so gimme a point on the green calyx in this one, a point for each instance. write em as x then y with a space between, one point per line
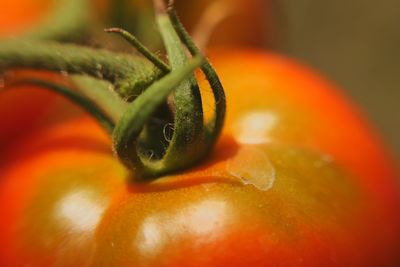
156 117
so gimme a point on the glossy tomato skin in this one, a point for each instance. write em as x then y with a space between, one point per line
297 179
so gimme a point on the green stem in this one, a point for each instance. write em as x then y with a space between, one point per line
102 94
125 137
141 123
141 48
214 127
185 145
130 74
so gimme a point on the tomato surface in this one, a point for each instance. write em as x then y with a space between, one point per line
298 178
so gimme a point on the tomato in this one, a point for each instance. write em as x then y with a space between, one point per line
298 178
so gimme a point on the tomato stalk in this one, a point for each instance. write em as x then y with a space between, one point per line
145 91
215 125
186 103
130 74
141 48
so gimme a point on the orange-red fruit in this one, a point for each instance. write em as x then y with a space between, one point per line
298 178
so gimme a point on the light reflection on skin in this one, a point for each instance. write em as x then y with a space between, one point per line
254 127
80 211
201 220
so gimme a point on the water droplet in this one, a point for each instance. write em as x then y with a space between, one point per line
252 166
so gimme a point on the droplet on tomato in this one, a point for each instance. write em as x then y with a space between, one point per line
252 166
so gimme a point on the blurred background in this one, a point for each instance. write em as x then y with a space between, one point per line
355 43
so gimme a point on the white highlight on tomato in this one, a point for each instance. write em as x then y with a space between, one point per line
254 127
80 210
151 238
201 220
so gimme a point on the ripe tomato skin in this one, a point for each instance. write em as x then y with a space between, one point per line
315 194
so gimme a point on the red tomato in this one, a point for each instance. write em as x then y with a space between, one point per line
298 178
